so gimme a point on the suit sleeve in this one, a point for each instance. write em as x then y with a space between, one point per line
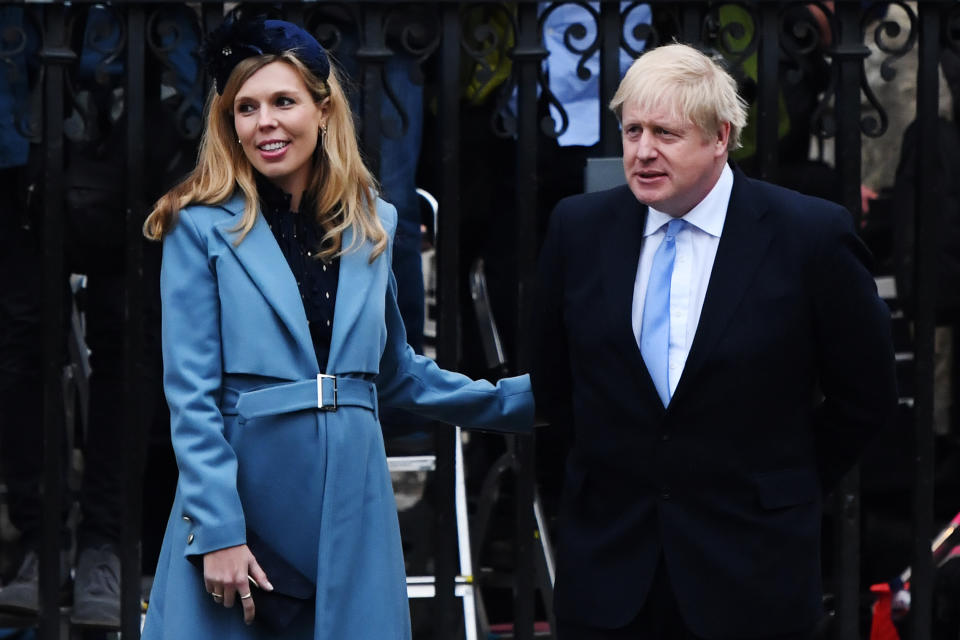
854 351
192 381
552 383
415 383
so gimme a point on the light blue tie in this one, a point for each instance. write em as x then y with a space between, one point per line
655 327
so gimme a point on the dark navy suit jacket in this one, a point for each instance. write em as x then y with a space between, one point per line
790 372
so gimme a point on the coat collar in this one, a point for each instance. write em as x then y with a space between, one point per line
624 240
743 245
267 268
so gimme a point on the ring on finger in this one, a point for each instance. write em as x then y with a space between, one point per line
217 596
247 595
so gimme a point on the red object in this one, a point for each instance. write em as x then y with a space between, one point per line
881 627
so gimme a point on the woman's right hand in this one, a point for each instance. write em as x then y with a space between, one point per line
227 573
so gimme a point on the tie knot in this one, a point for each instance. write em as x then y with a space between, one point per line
674 227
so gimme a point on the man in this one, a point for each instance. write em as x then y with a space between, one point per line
688 322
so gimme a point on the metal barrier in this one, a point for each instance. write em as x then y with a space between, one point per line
467 51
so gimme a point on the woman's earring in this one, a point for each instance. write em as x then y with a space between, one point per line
323 137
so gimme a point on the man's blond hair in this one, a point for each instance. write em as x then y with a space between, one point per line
689 85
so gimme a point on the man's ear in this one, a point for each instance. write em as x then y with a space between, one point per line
723 137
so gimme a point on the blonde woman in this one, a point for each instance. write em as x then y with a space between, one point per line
281 338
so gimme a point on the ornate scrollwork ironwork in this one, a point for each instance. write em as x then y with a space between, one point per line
173 35
18 43
730 34
328 22
413 31
488 33
581 37
889 38
642 32
804 34
108 40
730 29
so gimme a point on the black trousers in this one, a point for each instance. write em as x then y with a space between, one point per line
21 386
659 619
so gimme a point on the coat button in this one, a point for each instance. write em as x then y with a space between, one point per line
190 539
665 493
186 519
664 436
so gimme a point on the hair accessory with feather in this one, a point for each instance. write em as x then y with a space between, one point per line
240 38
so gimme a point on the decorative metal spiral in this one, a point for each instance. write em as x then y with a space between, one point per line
14 43
488 49
888 32
890 39
328 21
643 33
577 40
735 41
166 37
801 36
414 31
101 41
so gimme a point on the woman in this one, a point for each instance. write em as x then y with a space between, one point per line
276 267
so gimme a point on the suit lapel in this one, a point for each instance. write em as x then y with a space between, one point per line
264 263
622 258
743 245
356 279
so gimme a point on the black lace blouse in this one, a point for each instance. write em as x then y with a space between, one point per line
299 239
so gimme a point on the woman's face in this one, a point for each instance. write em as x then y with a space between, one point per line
278 125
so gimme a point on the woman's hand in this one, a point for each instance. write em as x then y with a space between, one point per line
227 574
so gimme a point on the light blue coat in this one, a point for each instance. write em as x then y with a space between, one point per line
314 484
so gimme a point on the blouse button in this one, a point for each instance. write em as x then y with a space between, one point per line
328 323
324 267
328 295
309 253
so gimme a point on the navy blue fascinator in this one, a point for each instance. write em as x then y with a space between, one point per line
240 38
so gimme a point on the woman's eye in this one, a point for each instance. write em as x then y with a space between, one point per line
244 108
284 101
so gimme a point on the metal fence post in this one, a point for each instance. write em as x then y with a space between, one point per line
55 54
926 222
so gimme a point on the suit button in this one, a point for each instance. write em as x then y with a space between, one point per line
664 436
665 493
190 539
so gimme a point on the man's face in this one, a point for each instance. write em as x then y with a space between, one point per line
669 163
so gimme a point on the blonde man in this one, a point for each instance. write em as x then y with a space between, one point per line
685 321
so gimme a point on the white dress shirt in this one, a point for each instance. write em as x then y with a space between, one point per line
696 249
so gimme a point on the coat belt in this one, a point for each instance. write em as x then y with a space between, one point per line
323 393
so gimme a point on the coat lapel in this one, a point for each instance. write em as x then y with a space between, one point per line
622 259
267 268
356 279
743 245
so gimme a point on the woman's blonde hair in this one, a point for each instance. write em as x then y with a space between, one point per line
687 82
342 188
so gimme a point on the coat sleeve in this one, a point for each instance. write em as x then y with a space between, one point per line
415 383
192 380
854 350
552 382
